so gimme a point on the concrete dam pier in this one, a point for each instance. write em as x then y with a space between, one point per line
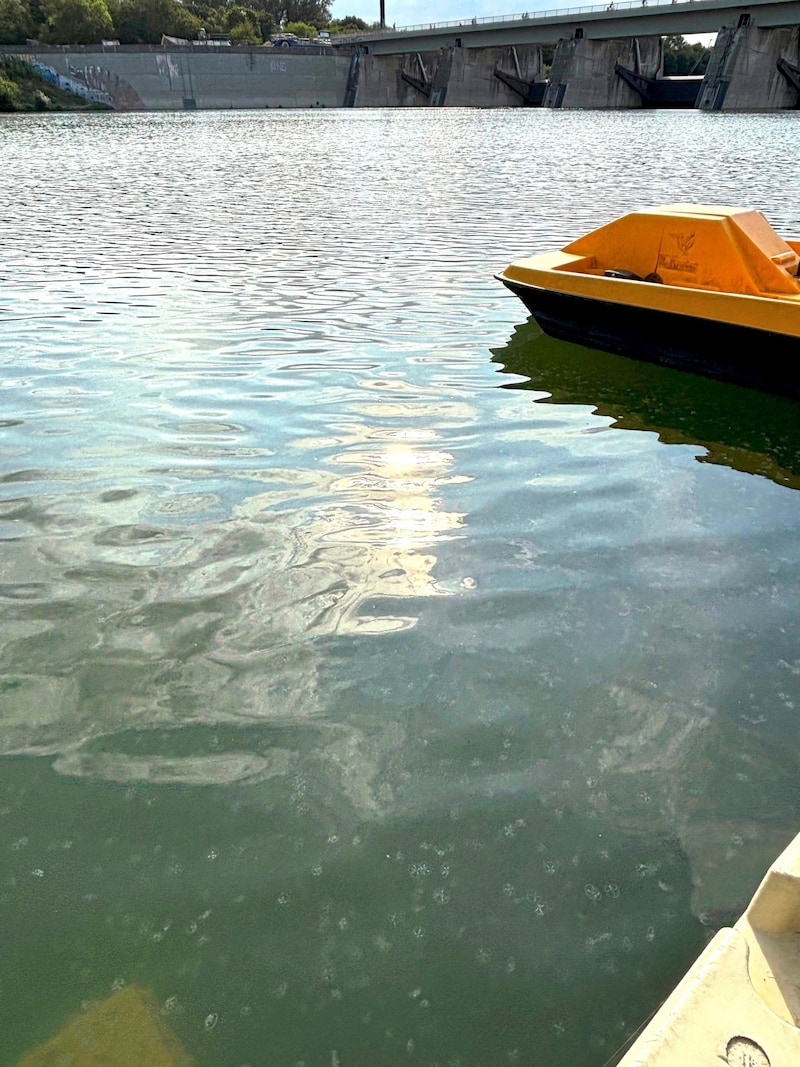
608 56
753 69
583 75
452 77
750 69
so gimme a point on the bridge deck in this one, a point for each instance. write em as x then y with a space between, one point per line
617 18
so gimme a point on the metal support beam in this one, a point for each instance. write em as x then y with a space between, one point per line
531 92
662 92
790 72
422 85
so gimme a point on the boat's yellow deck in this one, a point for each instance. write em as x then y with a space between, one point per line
713 262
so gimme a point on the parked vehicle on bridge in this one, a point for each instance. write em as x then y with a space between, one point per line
291 40
704 288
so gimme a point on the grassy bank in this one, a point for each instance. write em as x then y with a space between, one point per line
22 89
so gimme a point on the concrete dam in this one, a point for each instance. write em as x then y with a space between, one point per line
752 67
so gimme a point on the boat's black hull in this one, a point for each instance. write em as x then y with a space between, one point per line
757 358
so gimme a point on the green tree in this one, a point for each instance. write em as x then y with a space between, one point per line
314 12
267 24
145 21
16 24
9 95
38 18
243 25
350 24
210 16
301 29
682 58
244 33
76 21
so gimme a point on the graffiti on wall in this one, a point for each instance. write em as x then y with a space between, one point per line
168 67
71 85
114 90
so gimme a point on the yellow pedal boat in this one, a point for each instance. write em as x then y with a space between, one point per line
705 288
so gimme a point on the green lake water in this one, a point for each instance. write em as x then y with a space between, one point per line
381 682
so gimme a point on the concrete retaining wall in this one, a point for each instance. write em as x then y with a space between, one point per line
161 79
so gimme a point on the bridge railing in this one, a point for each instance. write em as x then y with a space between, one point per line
526 16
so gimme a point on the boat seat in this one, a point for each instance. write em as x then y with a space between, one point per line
790 262
628 275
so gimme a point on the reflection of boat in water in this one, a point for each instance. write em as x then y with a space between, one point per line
706 288
739 1003
745 429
